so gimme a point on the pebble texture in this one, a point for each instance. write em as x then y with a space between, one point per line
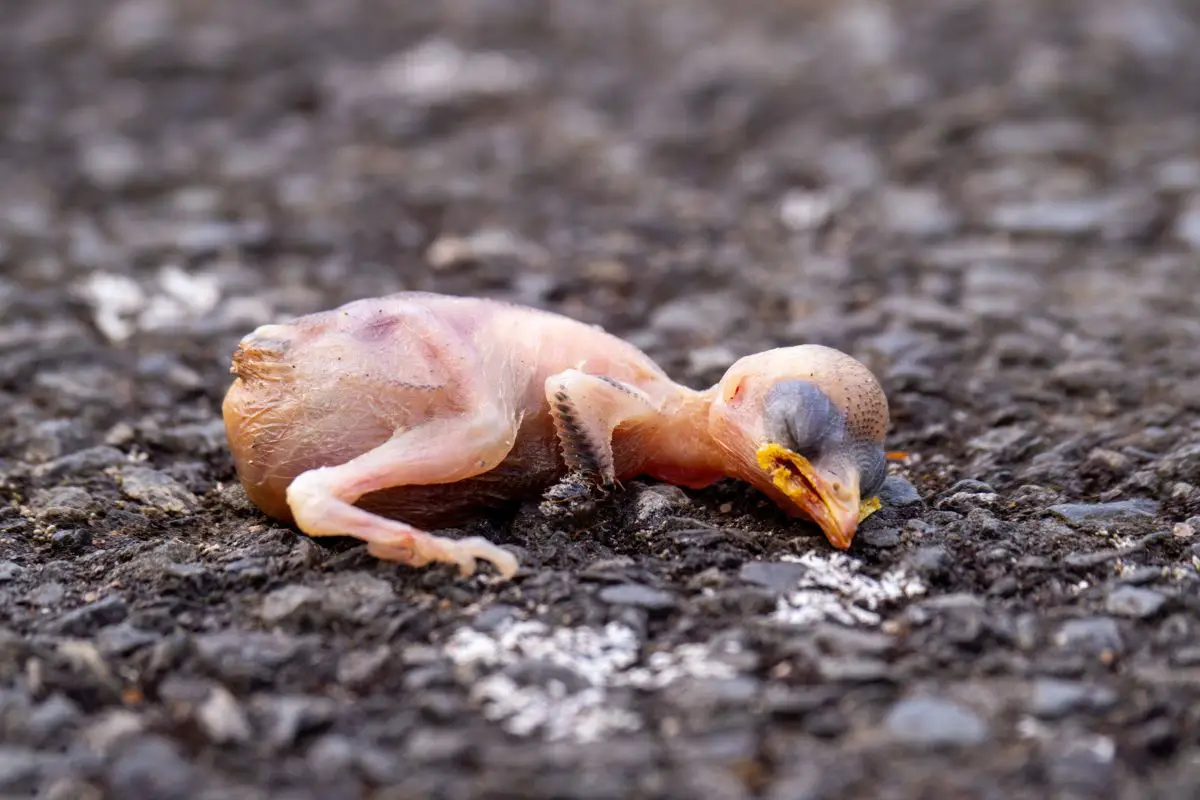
995 205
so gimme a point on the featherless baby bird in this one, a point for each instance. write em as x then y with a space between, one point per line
389 417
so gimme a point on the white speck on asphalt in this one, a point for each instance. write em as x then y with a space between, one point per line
834 590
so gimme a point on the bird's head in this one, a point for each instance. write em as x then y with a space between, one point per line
805 425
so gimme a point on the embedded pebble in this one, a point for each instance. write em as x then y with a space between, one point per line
1104 512
1187 224
152 766
653 503
19 769
156 489
1117 216
632 594
72 539
879 537
898 491
1134 602
778 576
111 163
88 460
933 721
86 620
1053 698
916 212
62 504
222 718
1094 636
245 655
358 668
288 717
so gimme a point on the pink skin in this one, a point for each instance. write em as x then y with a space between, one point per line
386 416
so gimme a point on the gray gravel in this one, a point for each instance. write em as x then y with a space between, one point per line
995 205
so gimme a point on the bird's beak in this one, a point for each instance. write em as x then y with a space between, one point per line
837 513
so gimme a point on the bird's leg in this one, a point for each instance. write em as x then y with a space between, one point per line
444 450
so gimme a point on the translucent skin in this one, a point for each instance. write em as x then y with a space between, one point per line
388 416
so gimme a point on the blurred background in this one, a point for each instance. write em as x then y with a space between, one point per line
704 177
994 203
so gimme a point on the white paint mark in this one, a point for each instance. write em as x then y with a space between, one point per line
113 298
121 306
580 704
833 590
599 659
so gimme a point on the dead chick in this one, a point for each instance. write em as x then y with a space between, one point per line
387 417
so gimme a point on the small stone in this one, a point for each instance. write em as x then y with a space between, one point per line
1116 216
916 212
291 716
152 767
1141 576
700 318
84 621
124 638
54 715
62 504
545 673
111 729
137 26
111 162
485 245
1104 512
1039 138
491 618
779 576
1109 463
10 571
1082 375
287 602
356 596
653 503
964 502
90 460
19 769
154 488
898 491
71 539
332 754
935 722
879 537
1181 530
1188 656
1095 636
970 486
435 744
1134 602
237 656
49 594
438 71
1081 767
1054 699
801 210
222 719
632 594
853 669
929 560
1187 224
359 668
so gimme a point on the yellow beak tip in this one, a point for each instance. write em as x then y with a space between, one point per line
867 508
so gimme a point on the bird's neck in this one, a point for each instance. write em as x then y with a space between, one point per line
679 448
